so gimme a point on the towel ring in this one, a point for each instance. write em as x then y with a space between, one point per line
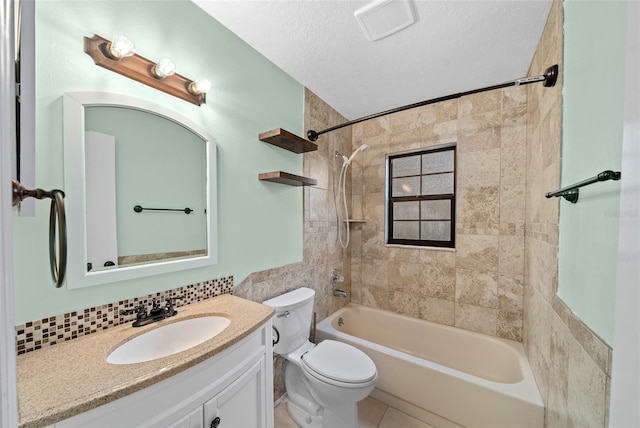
57 217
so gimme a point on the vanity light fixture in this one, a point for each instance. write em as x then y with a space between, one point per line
120 47
200 86
163 68
118 56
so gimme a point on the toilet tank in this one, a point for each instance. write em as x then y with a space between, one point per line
292 322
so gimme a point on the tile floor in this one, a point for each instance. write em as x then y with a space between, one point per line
371 414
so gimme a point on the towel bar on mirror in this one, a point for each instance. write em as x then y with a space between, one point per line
139 209
57 217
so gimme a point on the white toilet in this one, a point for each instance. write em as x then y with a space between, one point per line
324 382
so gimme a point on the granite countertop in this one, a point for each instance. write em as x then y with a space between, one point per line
69 378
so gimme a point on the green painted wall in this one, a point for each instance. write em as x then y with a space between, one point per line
594 41
259 224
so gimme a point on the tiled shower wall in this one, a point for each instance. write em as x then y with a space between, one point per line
571 364
479 286
322 251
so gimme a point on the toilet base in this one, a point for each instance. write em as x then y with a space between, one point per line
346 417
305 410
302 418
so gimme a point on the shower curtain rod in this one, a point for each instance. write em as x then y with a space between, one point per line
549 78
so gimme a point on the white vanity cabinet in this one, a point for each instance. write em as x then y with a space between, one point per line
233 389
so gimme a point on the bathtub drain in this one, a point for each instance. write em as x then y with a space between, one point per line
340 322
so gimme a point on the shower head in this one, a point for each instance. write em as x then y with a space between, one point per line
362 148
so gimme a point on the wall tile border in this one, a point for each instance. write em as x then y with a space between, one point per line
46 332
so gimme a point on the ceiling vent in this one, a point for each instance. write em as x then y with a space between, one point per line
384 17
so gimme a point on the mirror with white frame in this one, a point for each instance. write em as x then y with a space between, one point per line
140 184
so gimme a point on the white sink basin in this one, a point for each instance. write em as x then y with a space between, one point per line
168 340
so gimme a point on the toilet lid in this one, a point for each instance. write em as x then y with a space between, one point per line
339 361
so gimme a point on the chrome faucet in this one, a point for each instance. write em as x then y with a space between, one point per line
339 293
157 312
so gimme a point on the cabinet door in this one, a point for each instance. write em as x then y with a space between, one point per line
242 404
192 420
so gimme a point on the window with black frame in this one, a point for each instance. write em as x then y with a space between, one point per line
421 197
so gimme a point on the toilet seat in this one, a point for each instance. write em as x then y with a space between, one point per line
339 364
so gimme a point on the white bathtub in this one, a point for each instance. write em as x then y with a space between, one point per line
444 376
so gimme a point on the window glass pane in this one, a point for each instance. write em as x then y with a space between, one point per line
406 211
436 210
409 165
437 162
407 186
406 230
436 230
437 184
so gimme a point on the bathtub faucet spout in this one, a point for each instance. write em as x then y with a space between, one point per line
339 293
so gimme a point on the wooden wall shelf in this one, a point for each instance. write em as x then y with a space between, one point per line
286 178
288 141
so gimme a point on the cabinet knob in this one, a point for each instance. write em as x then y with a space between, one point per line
215 422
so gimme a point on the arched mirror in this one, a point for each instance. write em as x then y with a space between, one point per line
140 183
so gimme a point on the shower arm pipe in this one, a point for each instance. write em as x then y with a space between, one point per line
549 78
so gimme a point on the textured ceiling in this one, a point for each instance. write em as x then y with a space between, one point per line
455 45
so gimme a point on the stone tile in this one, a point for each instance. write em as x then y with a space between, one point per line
376 127
513 163
438 281
403 255
595 347
514 96
394 418
478 204
510 293
509 325
586 389
476 318
439 257
317 166
439 113
477 288
373 245
404 276
265 290
512 203
557 410
373 206
479 132
319 203
375 273
437 310
279 364
479 168
512 255
480 103
442 133
374 297
374 178
477 252
282 418
538 330
404 303
370 412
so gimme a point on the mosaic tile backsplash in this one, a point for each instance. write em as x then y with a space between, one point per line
49 331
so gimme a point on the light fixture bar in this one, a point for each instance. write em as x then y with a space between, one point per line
140 69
